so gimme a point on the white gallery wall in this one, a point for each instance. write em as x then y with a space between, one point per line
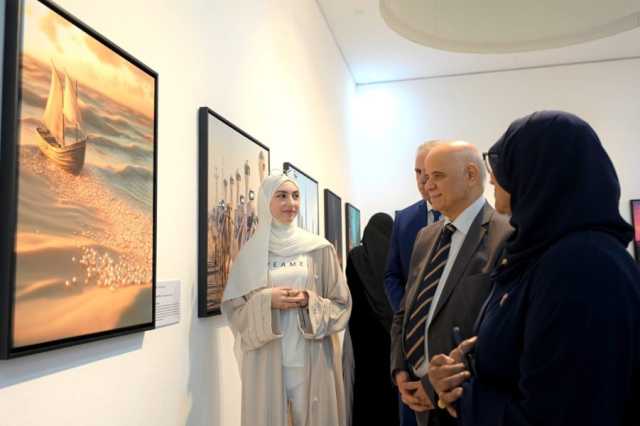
272 68
393 118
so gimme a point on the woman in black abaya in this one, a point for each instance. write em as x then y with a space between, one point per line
375 401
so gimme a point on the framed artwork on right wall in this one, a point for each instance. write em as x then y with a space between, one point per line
333 221
352 221
635 220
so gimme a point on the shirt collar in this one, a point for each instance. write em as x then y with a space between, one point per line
465 219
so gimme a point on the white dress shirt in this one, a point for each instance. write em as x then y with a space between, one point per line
462 223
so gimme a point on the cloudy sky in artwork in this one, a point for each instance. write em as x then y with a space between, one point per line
49 37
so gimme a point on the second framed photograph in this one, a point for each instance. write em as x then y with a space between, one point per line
232 165
635 220
308 217
352 220
333 221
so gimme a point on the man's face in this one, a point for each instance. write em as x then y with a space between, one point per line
419 170
503 198
446 183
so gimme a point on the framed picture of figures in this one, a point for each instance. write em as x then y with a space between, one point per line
333 221
635 220
308 217
78 167
232 165
352 220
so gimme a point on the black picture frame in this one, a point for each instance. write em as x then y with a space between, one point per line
333 221
215 254
353 234
309 214
13 96
634 206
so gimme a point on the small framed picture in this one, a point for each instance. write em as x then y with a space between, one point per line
635 220
333 221
352 220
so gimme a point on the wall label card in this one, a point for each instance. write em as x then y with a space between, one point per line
167 303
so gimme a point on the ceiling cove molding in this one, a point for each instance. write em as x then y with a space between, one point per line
470 41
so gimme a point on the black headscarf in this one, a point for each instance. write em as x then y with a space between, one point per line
370 260
560 179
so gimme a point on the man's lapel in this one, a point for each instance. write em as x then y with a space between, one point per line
474 237
411 290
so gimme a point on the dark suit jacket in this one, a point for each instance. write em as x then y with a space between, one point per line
407 224
466 289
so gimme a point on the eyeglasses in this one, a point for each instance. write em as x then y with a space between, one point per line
488 157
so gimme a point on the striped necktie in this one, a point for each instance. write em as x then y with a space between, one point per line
415 326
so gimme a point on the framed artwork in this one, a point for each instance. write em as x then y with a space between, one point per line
333 221
232 165
635 220
352 220
78 167
308 217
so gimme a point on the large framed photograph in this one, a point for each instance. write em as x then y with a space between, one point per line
333 221
635 220
352 220
232 165
308 217
78 167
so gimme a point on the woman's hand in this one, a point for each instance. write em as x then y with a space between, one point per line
447 373
302 298
287 298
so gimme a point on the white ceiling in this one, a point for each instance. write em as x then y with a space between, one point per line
376 53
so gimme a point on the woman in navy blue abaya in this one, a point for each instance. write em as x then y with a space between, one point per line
558 341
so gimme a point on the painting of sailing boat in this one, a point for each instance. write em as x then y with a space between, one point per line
333 221
308 216
79 167
232 165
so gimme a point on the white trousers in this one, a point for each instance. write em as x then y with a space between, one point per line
295 393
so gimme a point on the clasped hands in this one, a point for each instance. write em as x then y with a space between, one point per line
448 373
288 298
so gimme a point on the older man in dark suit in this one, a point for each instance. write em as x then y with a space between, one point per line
448 275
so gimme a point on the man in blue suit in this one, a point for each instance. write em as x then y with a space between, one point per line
407 223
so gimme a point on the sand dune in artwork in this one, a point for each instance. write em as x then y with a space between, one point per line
32 242
90 311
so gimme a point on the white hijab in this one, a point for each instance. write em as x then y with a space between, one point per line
250 268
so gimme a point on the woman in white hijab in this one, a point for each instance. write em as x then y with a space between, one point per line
286 300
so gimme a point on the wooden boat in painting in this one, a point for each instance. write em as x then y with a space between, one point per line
61 109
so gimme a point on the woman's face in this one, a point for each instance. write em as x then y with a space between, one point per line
285 203
503 198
